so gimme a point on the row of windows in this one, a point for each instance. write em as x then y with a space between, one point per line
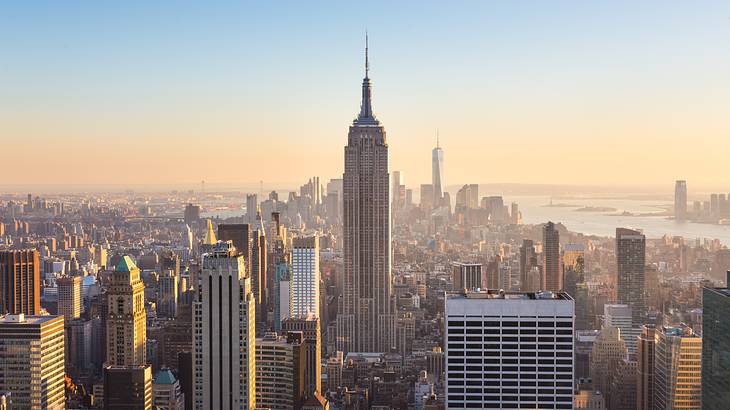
548 339
460 360
508 346
484 331
497 353
542 369
511 383
454 398
494 323
498 376
504 391
507 405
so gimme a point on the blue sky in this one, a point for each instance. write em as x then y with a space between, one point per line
559 77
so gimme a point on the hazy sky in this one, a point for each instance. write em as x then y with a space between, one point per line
584 92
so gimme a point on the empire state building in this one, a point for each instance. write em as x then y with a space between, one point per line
365 322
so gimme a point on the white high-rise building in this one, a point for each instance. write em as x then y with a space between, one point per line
619 316
305 276
509 350
224 333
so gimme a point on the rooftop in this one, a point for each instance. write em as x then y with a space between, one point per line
502 294
21 318
165 376
126 264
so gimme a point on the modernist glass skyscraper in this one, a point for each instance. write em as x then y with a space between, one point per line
630 259
365 322
715 348
680 200
437 173
553 274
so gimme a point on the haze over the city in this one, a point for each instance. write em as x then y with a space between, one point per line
581 93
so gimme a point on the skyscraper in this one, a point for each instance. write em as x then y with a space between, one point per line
366 320
224 333
167 293
240 235
505 367
620 316
608 351
126 323
259 270
715 348
32 361
645 369
398 190
528 260
252 208
677 369
630 267
280 362
309 326
305 276
128 387
69 297
437 173
552 268
20 282
680 200
466 275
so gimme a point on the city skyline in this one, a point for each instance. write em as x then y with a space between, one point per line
587 88
311 271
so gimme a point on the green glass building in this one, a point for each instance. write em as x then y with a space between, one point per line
716 348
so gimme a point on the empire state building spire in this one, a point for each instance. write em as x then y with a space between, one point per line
366 116
366 318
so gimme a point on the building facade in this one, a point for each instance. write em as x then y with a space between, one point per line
631 270
365 321
715 348
552 268
466 275
305 276
128 387
504 348
680 200
310 328
224 333
126 323
69 297
645 369
32 361
20 282
677 369
280 362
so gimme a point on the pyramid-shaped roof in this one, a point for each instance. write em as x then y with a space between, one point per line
126 264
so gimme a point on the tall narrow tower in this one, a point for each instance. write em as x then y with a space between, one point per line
224 366
126 326
437 173
631 271
553 275
365 323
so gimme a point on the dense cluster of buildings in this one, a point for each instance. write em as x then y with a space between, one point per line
350 295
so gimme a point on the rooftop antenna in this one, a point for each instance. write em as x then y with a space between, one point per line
367 63
437 138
